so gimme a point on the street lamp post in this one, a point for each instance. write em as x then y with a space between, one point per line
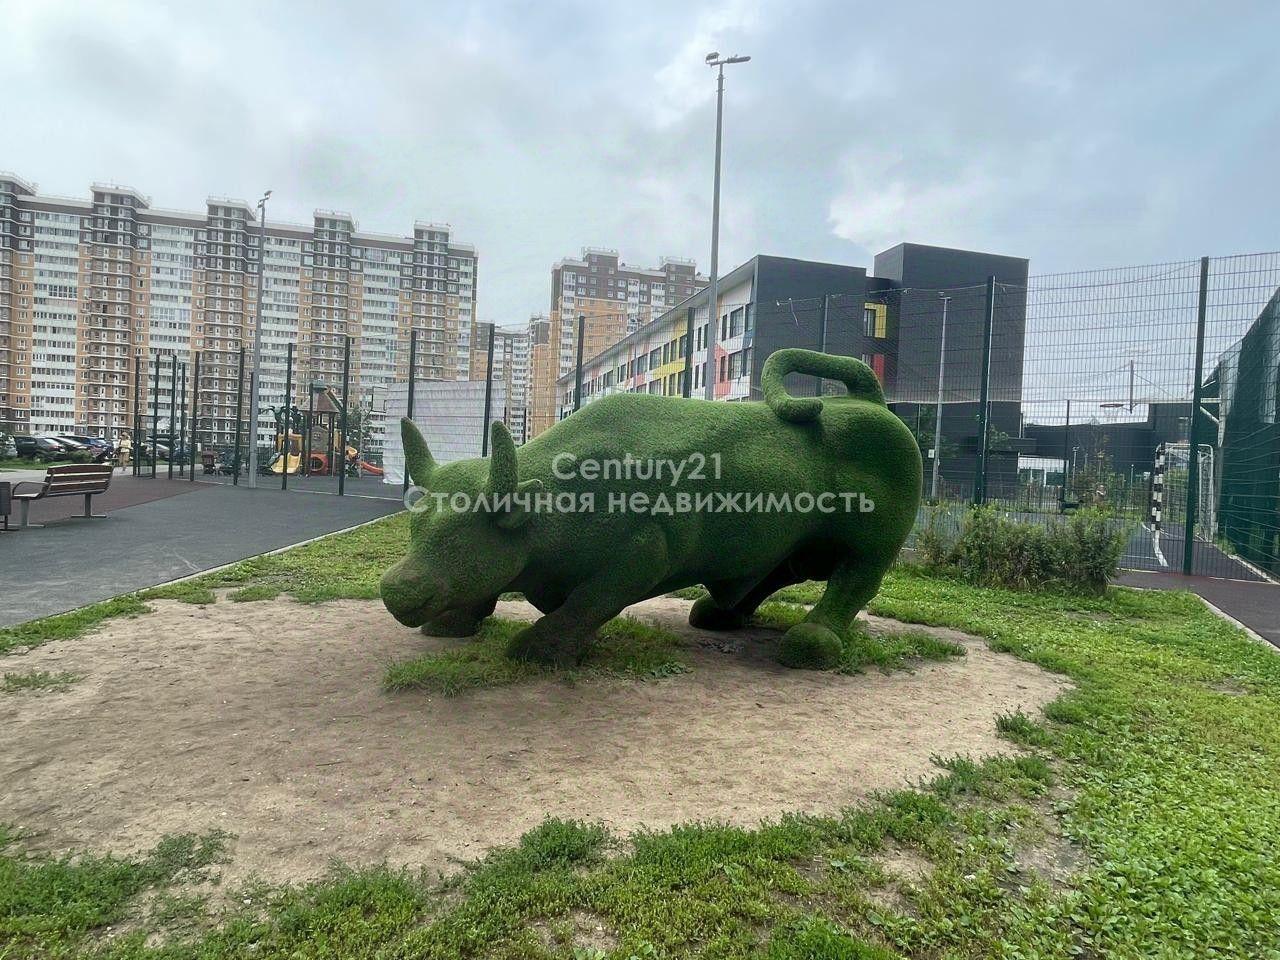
257 345
713 302
937 423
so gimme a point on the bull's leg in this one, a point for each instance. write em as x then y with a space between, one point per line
815 641
562 636
459 623
728 607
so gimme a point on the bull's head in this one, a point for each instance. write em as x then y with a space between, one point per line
459 560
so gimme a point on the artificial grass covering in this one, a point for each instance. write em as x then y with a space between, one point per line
610 537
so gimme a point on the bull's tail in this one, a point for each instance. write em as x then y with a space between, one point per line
854 374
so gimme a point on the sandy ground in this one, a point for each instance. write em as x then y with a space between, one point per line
267 720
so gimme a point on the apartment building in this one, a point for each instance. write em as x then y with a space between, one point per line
94 292
613 300
510 369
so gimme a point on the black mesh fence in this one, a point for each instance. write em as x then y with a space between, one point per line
1083 389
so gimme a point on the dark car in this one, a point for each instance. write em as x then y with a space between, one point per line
96 447
42 449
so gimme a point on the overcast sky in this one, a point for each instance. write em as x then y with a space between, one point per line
1097 135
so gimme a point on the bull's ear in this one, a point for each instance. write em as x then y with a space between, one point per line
504 478
417 458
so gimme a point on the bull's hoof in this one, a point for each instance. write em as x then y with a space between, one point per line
531 645
810 646
706 614
452 623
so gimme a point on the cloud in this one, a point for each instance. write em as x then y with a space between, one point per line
536 130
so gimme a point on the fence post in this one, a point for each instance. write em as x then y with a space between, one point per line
413 365
688 355
182 426
577 389
488 394
288 418
155 417
235 458
984 404
136 444
173 399
346 405
822 339
195 413
1193 458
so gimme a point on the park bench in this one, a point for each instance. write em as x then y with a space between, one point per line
68 480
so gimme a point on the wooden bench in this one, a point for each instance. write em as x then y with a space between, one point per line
67 480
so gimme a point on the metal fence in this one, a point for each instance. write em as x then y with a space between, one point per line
1093 389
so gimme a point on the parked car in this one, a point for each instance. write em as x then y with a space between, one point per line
97 448
40 449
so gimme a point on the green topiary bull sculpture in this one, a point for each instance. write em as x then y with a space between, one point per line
589 517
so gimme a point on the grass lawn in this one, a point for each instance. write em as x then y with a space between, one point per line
1140 818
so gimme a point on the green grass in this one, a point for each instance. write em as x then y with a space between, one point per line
37 680
66 626
1160 769
626 647
344 566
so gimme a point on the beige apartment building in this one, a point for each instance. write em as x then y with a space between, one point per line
95 291
613 299
510 369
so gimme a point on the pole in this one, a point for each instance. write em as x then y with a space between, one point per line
1066 452
822 339
285 442
577 382
984 413
413 366
173 396
256 381
155 417
310 425
136 444
713 296
937 423
1193 461
1131 386
346 405
235 458
182 426
195 414
688 355
488 391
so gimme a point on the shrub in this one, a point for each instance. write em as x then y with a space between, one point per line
1080 553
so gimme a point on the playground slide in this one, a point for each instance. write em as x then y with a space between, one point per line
371 469
295 463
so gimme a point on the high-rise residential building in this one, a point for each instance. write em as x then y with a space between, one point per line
613 300
94 291
510 368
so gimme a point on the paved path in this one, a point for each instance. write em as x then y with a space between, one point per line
1255 604
70 563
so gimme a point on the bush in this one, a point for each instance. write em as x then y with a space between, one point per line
1081 553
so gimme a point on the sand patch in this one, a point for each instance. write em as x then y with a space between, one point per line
267 720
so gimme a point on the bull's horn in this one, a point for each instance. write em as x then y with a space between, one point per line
504 477
504 471
417 458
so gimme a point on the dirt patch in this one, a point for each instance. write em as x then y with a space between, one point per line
267 720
